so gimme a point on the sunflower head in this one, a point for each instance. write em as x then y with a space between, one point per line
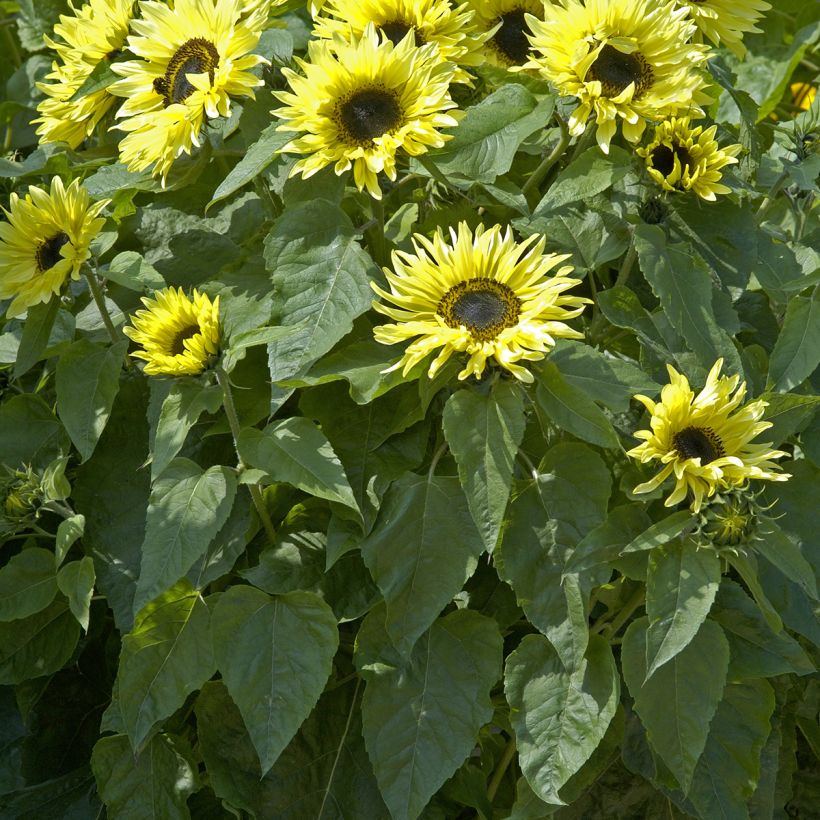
683 158
726 21
625 61
504 29
358 103
482 294
178 335
704 440
45 242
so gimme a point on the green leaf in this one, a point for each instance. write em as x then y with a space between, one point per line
76 581
778 548
321 276
69 531
29 432
240 342
36 332
756 651
88 378
661 532
130 270
155 784
484 433
788 413
422 549
295 451
603 377
797 351
683 284
186 510
571 408
728 770
165 657
28 584
187 400
559 716
681 584
487 138
38 645
101 77
678 702
263 647
590 174
256 158
421 719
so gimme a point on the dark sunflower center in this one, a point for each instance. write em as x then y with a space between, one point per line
663 158
177 348
396 31
370 113
698 442
616 70
197 56
511 39
48 251
485 307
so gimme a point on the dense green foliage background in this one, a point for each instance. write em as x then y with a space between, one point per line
456 614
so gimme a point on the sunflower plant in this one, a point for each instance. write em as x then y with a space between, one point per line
408 409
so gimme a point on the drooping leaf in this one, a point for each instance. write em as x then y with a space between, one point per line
36 332
484 433
29 432
797 352
28 584
421 717
275 657
69 531
422 549
660 533
559 716
76 581
188 506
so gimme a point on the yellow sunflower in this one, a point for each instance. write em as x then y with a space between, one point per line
196 56
681 158
359 102
432 21
503 25
45 241
485 295
178 335
627 60
726 21
95 32
704 440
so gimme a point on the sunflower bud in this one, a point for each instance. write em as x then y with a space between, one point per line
22 495
731 520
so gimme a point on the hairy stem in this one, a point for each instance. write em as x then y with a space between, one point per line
537 176
501 769
99 299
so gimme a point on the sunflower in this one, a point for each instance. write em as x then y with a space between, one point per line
485 295
178 335
704 440
504 26
681 158
623 59
196 56
726 21
95 32
360 101
432 21
45 241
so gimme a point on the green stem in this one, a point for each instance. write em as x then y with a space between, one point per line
769 198
543 169
626 265
436 458
233 423
501 769
375 233
637 599
583 141
58 508
99 299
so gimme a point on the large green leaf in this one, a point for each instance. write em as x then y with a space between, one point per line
165 657
797 352
38 645
36 332
559 716
484 432
548 519
678 702
87 384
76 581
155 784
188 506
29 432
319 273
28 583
782 551
421 717
422 549
571 408
487 138
275 656
296 451
681 584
